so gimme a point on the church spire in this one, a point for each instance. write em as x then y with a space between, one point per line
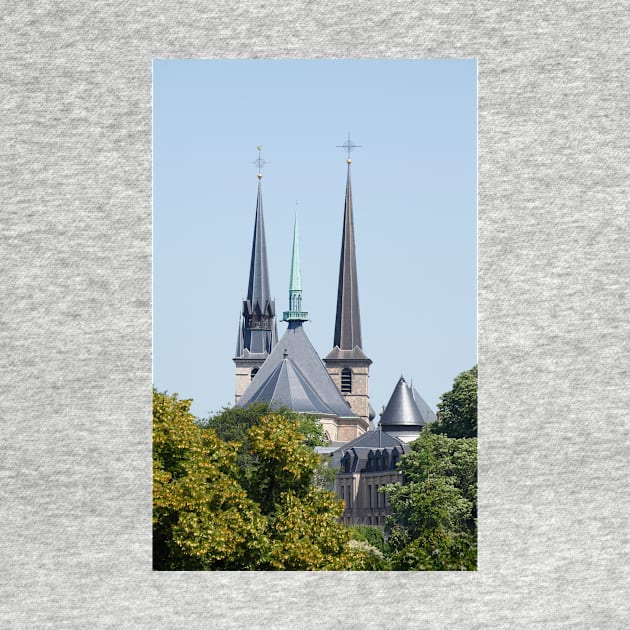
258 326
346 363
348 319
295 312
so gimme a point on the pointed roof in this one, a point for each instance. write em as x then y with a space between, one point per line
428 415
365 447
401 410
294 375
295 283
258 329
295 312
374 439
287 386
348 319
258 286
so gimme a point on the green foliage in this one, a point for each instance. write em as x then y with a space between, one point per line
281 463
202 518
324 475
366 557
212 512
437 550
369 549
457 409
433 524
374 536
232 423
305 536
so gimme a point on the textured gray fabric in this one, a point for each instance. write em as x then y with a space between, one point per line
75 169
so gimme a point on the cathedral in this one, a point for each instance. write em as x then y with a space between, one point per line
288 371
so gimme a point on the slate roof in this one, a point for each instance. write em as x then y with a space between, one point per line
294 375
428 415
364 447
404 409
374 439
258 304
287 386
258 286
348 319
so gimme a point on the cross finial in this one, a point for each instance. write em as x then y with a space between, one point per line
348 146
259 162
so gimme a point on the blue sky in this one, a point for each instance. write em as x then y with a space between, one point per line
414 185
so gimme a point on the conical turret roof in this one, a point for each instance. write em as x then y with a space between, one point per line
401 410
428 415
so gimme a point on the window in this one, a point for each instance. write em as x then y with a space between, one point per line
253 373
346 381
370 494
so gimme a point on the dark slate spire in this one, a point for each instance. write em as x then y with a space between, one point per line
258 326
348 320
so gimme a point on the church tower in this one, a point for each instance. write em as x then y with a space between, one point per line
257 331
294 376
346 363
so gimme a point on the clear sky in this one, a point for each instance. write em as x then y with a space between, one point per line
414 184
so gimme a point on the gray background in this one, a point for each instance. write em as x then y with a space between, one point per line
75 151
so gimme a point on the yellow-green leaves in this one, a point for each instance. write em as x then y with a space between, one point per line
214 510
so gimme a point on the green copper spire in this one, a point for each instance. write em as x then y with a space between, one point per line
296 276
295 312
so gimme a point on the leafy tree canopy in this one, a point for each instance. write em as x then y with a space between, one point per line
233 423
433 523
211 511
457 409
202 518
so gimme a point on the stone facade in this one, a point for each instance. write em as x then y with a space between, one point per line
365 505
359 395
246 369
365 465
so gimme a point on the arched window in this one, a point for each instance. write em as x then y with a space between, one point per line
253 373
346 381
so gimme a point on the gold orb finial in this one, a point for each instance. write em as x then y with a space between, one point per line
259 175
348 161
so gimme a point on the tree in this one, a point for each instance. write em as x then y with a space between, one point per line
433 524
457 409
212 511
232 423
202 518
